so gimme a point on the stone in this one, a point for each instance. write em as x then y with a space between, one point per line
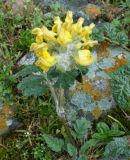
92 10
7 122
27 59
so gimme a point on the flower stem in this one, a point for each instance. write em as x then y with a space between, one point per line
59 108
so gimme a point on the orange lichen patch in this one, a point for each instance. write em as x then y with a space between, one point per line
97 112
3 125
119 62
87 87
97 95
7 110
92 10
102 51
5 113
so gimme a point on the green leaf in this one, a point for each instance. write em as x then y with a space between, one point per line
87 145
122 38
116 149
55 144
105 133
33 85
66 79
71 150
81 127
97 34
108 135
120 84
31 81
27 70
36 91
110 30
102 127
83 157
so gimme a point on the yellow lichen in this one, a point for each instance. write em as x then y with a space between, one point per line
118 64
92 10
5 113
102 51
97 112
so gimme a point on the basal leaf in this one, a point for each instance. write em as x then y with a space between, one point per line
27 70
81 127
71 150
55 144
87 145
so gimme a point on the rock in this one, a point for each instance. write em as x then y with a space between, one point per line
68 4
7 122
92 10
94 95
27 59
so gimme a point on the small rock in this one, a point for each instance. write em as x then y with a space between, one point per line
92 10
7 122
27 59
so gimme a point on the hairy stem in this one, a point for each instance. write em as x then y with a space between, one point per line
59 108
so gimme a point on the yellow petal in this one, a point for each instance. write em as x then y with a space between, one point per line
84 53
64 37
86 31
57 26
48 35
33 46
39 39
68 21
37 31
90 43
77 27
84 58
39 48
69 17
46 63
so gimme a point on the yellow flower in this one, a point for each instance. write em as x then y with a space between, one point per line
39 34
39 38
39 48
37 31
77 27
68 21
43 33
64 37
86 31
48 35
84 58
60 35
46 61
57 24
89 43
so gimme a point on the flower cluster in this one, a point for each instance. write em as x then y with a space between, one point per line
66 44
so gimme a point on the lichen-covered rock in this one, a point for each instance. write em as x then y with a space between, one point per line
93 96
92 10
